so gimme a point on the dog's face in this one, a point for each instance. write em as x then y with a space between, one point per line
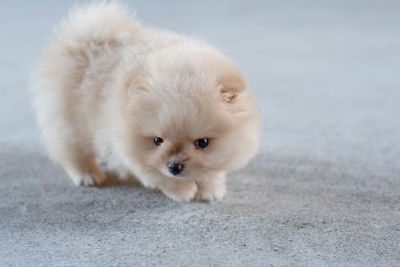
191 115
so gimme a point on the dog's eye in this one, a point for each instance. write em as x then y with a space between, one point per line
201 143
158 140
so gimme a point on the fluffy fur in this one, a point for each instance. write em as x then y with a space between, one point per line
107 86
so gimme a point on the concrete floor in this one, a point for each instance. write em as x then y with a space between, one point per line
324 188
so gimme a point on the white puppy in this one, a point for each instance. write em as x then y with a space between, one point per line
169 110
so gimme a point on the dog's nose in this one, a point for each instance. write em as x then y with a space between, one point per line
175 167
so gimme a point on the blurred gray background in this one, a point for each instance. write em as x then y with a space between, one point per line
324 188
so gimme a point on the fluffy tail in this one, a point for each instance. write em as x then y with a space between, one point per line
89 31
97 22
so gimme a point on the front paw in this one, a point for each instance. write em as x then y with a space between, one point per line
211 193
180 190
89 179
211 188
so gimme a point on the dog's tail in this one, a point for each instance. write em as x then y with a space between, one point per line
96 23
88 31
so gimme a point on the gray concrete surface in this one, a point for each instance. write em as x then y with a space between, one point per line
324 188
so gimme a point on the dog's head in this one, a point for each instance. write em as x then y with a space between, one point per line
187 112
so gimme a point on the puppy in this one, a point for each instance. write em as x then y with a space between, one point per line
169 110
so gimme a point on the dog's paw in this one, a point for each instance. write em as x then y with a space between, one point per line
208 194
181 190
88 179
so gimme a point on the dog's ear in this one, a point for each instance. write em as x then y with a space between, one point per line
134 83
231 85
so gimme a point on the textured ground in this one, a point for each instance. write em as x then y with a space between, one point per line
324 188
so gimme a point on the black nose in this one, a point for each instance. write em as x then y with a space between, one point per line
175 167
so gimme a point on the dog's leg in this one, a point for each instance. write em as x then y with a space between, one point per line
76 160
211 188
178 190
84 171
